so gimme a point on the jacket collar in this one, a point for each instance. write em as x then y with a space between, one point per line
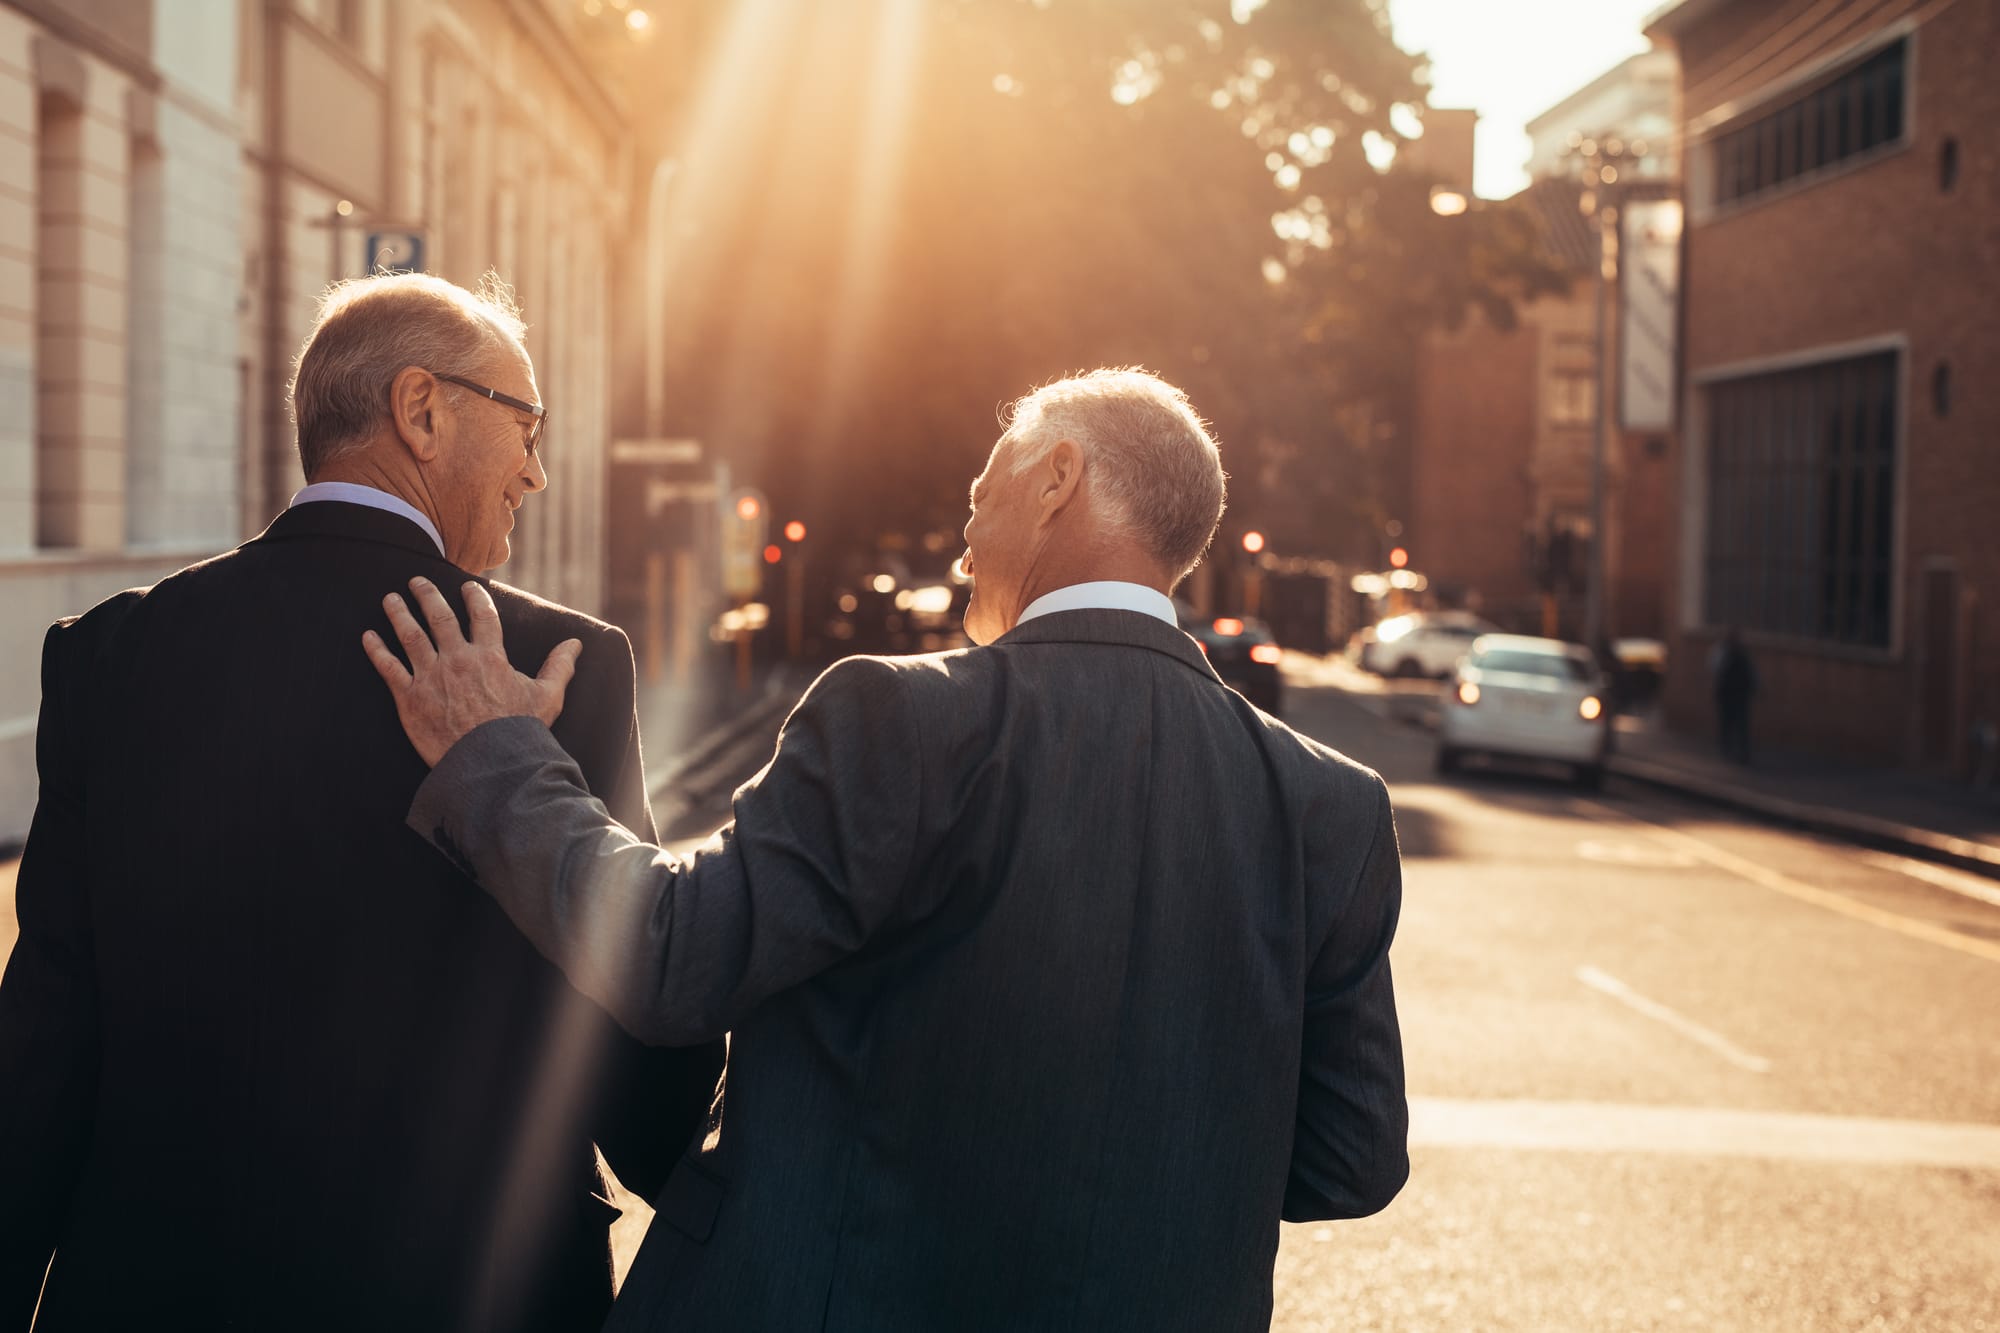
336 518
1130 629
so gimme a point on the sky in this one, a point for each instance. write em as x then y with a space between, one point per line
1511 60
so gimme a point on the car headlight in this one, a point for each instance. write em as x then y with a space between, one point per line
1591 708
1267 653
1468 693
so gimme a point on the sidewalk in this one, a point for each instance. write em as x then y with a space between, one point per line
1919 816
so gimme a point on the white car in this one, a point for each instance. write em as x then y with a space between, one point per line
1422 643
1528 698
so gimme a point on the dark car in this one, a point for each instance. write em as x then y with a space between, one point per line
1241 650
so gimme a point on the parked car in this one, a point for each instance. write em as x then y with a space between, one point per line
1241 650
1421 643
1519 697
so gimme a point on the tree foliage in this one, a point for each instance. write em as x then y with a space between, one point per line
926 207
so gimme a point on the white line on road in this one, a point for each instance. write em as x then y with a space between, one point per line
1779 882
1701 1131
1943 877
1603 981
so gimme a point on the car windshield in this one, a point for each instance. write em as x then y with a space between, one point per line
1515 662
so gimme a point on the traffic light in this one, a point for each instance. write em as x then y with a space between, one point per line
773 554
748 507
795 531
1253 542
1398 558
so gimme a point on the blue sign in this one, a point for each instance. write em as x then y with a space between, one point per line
395 252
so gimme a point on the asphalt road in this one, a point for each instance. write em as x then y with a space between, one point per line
1668 1069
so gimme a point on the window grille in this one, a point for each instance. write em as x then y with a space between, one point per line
1802 500
1858 110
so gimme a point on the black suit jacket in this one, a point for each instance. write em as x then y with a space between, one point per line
269 1061
1055 975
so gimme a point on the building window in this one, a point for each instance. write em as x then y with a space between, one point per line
1857 110
1572 398
1802 501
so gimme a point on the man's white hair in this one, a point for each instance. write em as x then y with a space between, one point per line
1152 467
370 329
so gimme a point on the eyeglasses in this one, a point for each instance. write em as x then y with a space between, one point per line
540 414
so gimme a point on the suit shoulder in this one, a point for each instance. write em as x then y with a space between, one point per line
517 603
92 627
1320 767
929 680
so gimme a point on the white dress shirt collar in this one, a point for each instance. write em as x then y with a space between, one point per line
355 493
1106 595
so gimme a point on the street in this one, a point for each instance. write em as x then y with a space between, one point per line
1668 1069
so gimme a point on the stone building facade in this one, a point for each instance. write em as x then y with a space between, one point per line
180 182
120 428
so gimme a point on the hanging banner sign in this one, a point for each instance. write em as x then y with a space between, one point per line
1651 300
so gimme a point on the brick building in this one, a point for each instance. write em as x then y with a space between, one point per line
1836 467
1505 421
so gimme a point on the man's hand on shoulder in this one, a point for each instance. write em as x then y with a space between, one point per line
456 685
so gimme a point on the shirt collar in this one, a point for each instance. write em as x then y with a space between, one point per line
354 493
1106 595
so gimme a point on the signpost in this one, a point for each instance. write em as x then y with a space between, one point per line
398 251
743 526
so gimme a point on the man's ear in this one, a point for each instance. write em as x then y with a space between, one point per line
416 401
1060 476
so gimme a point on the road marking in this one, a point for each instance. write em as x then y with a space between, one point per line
1701 1131
1779 882
1943 877
1687 1027
1632 854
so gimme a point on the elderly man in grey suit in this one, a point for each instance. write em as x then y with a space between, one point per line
1057 973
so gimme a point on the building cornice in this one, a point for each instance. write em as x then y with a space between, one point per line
59 22
555 45
1672 18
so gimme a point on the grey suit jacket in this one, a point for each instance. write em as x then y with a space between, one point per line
1056 974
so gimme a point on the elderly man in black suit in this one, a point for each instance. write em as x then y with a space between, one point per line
267 1060
1058 974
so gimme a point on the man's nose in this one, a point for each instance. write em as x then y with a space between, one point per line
533 472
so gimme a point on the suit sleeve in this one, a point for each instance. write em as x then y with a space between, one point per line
678 951
654 1099
1350 1146
48 1003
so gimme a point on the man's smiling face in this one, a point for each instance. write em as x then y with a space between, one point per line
486 471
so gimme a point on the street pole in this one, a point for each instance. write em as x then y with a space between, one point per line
1605 163
1607 260
795 606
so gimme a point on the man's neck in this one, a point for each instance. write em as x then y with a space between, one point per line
362 471
1110 570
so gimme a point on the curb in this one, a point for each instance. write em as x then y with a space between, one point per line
1979 858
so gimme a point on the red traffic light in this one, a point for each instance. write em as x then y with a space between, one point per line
1399 558
1253 542
772 555
795 531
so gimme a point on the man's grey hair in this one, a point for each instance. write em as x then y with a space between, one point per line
368 330
1152 467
